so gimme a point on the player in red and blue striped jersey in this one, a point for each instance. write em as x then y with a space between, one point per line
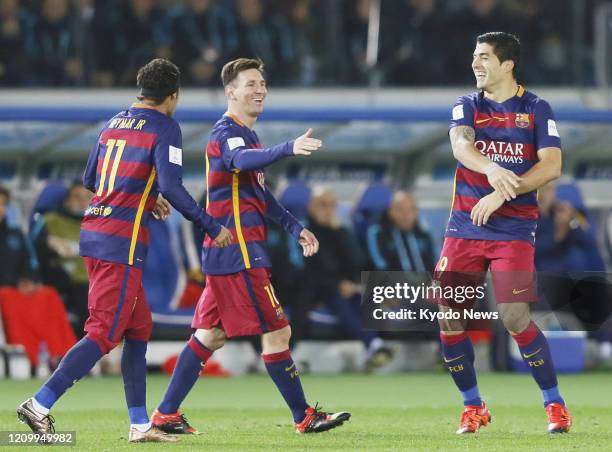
137 156
239 299
507 144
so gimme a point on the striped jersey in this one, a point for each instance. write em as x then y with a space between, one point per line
237 197
138 154
508 133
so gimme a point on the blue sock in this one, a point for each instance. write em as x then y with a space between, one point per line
536 354
134 371
186 372
458 355
75 365
285 375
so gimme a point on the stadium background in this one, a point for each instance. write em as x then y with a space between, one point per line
374 79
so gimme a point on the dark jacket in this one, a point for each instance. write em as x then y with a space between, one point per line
16 258
339 258
393 250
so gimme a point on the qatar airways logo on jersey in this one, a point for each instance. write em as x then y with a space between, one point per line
501 151
261 179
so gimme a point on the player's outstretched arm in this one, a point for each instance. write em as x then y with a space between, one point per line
281 216
462 141
237 156
546 170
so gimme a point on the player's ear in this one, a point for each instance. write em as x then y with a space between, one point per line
508 66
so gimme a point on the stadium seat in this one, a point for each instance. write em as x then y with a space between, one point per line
164 276
374 200
295 197
50 198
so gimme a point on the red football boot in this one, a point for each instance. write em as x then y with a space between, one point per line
319 421
559 418
174 423
473 417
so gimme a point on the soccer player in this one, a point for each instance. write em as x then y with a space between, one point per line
507 145
238 299
136 157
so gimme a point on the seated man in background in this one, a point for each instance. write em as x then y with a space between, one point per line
399 242
32 314
56 239
335 273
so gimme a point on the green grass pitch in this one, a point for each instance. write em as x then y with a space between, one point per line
416 411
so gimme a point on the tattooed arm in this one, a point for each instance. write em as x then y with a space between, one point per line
502 180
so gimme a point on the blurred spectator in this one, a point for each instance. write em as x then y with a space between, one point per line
17 265
56 238
356 34
565 240
16 39
300 42
399 243
54 52
334 273
256 40
477 17
409 54
204 35
540 24
32 314
290 280
143 33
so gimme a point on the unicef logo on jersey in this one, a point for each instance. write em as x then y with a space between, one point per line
102 210
261 179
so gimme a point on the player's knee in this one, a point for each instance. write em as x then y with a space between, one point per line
515 322
278 339
212 339
103 342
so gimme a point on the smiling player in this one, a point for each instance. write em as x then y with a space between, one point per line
239 299
506 141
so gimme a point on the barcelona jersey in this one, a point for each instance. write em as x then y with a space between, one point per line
238 199
508 133
138 154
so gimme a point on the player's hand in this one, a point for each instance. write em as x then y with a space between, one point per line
309 243
502 180
305 144
162 208
485 207
224 238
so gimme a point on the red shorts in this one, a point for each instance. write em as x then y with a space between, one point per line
241 304
511 262
117 304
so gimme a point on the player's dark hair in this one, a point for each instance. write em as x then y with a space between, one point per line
6 193
231 70
158 79
506 47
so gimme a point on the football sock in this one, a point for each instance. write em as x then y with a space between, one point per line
134 371
142 427
536 354
285 375
458 355
75 365
186 372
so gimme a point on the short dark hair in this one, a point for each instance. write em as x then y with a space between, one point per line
231 70
158 79
6 193
506 47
